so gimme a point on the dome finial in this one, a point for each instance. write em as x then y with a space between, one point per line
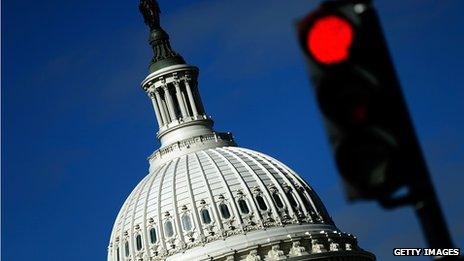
150 11
164 55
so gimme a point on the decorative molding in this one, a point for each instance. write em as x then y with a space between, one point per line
253 256
297 250
275 253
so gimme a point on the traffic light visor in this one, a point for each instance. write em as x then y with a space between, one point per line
329 39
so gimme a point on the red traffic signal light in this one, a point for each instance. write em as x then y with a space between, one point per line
359 97
329 38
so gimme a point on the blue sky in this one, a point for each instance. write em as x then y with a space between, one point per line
77 127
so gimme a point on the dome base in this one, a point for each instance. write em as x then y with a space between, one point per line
292 242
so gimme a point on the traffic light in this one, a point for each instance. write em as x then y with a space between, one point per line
374 144
358 93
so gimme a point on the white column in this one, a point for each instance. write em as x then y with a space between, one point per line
162 107
180 100
168 98
155 106
200 103
184 99
190 97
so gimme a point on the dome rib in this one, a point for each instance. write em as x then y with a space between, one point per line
127 209
242 181
285 178
175 209
223 181
282 168
319 207
192 200
134 212
145 211
159 218
261 184
274 180
213 204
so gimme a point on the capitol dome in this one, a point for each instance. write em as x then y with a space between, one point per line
231 201
207 199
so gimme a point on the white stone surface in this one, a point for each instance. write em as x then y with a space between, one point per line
206 179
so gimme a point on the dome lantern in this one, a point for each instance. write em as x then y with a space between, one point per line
172 86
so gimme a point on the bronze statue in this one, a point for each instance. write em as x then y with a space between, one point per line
150 11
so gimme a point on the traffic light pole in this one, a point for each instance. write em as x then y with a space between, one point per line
429 213
422 192
423 198
422 195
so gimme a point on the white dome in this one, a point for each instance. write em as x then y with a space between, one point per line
206 199
223 202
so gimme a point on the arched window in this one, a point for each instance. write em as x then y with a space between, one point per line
277 200
117 254
292 200
225 213
153 235
126 248
205 217
138 242
168 229
186 222
243 206
261 203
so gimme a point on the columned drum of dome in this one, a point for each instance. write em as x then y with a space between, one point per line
204 198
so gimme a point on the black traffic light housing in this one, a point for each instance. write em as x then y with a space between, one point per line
369 128
358 93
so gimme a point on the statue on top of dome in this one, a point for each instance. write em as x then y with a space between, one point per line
150 11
